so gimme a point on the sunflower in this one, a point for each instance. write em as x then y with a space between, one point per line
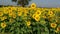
28 23
19 13
10 13
13 8
37 18
50 13
14 15
3 25
3 18
38 12
33 15
5 11
11 20
20 9
1 13
58 28
25 11
10 8
33 5
53 25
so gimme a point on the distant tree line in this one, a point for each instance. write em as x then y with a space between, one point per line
22 2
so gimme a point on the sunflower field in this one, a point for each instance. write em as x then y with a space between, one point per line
29 20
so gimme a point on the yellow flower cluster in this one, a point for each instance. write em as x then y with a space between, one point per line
18 15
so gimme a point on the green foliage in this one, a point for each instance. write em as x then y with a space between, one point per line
29 21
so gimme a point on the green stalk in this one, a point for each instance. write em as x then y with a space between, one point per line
39 32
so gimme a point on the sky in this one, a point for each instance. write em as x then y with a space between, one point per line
39 3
